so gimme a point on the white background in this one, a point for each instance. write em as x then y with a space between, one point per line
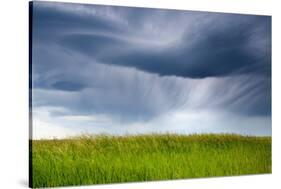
14 92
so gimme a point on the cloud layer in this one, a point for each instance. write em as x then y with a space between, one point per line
105 66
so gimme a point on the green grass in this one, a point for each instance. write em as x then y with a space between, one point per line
111 159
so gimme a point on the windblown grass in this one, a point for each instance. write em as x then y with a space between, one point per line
111 159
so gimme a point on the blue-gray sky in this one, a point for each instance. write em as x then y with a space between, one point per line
120 70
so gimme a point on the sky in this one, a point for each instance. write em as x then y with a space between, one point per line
122 70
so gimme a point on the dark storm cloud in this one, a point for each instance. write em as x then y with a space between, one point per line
219 51
136 64
67 86
215 45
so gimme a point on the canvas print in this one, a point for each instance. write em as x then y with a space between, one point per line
127 94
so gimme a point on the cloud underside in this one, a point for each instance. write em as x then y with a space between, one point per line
118 70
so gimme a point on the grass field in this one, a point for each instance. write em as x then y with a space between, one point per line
111 159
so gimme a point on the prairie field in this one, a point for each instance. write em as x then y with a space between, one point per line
100 159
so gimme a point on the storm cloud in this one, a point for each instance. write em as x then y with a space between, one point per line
109 65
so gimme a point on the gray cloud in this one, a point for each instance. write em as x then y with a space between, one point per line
204 45
130 95
136 65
